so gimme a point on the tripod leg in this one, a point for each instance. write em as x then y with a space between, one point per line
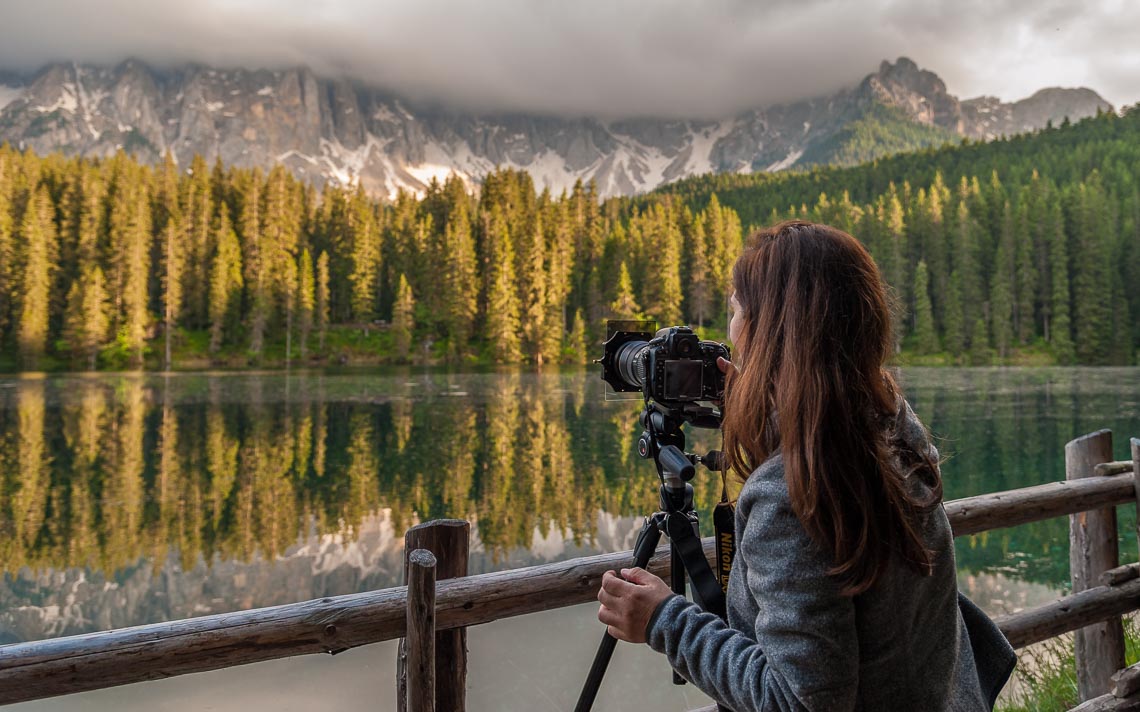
647 540
677 583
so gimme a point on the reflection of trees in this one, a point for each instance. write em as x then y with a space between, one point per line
29 497
123 491
108 471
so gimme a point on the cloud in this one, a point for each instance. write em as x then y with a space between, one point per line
608 58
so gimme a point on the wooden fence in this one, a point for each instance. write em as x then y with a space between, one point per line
441 602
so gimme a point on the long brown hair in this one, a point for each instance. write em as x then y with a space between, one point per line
810 384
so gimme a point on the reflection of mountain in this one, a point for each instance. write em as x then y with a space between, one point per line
70 601
118 488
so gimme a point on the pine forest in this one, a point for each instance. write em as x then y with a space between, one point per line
1020 250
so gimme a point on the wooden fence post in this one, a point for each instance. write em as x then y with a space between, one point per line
1136 480
1093 549
421 631
449 541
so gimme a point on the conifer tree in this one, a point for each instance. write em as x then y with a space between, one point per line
559 268
1092 311
966 264
7 245
662 292
172 266
531 273
955 331
576 340
225 281
502 317
306 300
460 280
84 212
403 319
198 209
255 260
1061 331
1027 279
893 263
365 257
624 306
38 236
85 329
280 237
1001 291
927 338
979 343
288 289
322 299
698 297
135 289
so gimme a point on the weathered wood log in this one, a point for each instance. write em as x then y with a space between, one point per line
1030 504
1098 649
421 631
1126 682
1119 575
1069 613
449 541
60 666
1109 703
1113 468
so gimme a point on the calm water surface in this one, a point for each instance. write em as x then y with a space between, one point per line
130 499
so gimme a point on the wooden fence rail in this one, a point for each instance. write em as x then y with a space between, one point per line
60 666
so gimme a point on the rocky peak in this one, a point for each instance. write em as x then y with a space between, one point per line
918 92
987 117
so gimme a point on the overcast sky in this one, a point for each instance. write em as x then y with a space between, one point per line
605 57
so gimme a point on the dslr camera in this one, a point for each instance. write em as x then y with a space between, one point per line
672 367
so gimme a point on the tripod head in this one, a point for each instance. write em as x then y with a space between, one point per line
663 441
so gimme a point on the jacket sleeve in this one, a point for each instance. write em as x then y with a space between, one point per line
805 653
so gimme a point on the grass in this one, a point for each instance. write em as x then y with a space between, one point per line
1045 679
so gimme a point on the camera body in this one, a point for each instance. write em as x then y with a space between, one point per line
673 367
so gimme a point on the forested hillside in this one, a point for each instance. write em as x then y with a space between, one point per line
1026 242
103 262
1025 248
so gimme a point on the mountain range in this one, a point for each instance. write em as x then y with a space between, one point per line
333 130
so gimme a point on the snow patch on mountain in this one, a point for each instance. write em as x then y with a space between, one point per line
787 162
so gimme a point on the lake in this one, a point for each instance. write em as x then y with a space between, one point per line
137 498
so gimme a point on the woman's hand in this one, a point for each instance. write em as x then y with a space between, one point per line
627 605
726 367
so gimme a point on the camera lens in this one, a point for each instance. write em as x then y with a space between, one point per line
631 363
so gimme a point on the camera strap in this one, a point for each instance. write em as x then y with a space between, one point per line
724 521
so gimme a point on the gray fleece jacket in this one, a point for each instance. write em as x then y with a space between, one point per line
794 643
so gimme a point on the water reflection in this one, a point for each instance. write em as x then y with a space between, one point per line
129 498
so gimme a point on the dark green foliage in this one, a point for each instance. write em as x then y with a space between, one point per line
1037 235
880 131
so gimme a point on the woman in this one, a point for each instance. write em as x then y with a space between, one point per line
843 593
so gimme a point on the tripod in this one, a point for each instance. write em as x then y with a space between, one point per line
664 442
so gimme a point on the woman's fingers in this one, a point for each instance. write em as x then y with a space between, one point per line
609 616
724 364
607 599
615 586
618 633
